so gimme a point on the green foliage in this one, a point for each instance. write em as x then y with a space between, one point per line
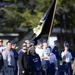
29 13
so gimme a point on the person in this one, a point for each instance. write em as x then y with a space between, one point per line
46 50
13 43
23 44
55 49
2 47
34 61
8 57
28 43
71 51
39 51
66 58
1 64
53 63
23 62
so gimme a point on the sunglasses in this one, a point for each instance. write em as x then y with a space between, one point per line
24 49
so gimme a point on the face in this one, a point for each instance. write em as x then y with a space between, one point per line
28 44
24 49
24 44
32 51
45 44
8 45
66 48
1 42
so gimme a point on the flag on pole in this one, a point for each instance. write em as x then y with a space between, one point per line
47 24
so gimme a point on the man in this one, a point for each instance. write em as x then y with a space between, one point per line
2 48
13 43
23 62
39 51
8 57
23 44
71 51
46 54
55 49
66 58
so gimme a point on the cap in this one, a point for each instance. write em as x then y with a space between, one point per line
45 41
31 48
39 41
32 42
66 44
13 42
56 41
27 41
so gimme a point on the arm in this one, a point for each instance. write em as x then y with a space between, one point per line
5 59
20 61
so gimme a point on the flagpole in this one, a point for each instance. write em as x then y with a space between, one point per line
52 20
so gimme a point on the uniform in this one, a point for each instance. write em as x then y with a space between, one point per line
39 51
67 62
55 51
16 59
9 64
53 63
70 50
47 53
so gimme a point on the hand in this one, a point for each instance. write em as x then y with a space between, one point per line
72 66
51 54
66 52
1 70
23 71
56 68
38 68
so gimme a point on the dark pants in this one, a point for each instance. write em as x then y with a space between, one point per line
36 73
47 67
16 71
52 69
26 72
67 68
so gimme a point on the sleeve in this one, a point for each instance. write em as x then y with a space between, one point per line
55 57
71 56
2 61
5 59
21 62
72 53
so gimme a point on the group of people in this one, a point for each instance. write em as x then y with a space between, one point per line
35 60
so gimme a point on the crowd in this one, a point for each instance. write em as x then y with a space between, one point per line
35 60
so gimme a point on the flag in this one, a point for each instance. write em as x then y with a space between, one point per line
48 21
